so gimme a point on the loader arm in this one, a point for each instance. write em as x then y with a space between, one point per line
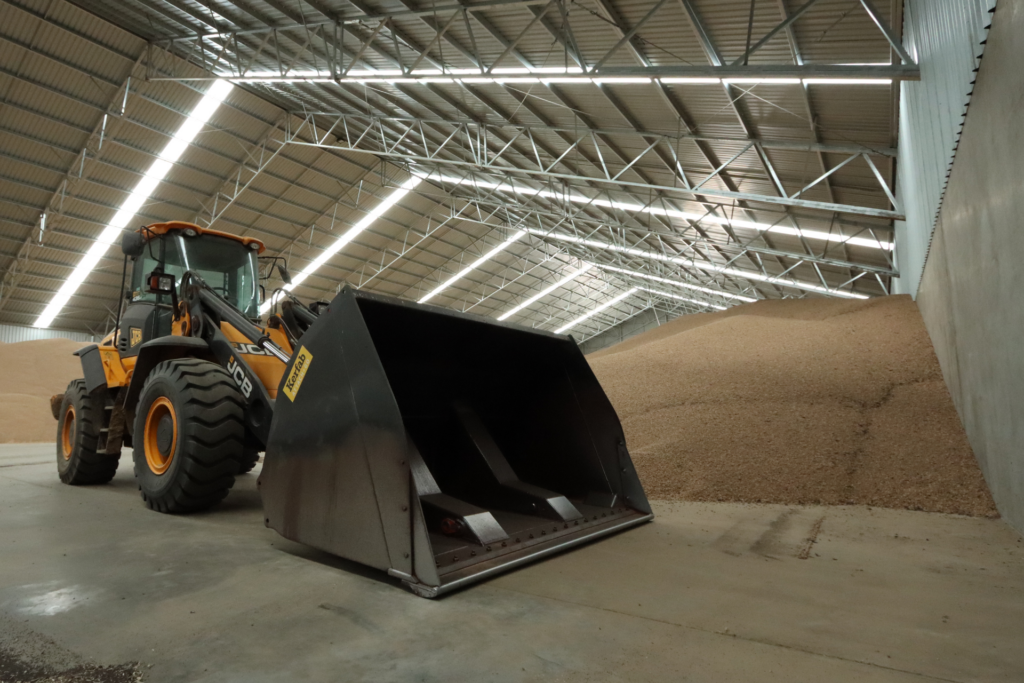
206 310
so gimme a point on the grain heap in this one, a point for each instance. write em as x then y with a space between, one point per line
814 401
34 371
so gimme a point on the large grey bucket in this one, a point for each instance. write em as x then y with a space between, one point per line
442 447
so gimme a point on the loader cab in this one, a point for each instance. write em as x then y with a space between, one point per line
227 263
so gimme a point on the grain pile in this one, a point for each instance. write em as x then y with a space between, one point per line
32 372
811 401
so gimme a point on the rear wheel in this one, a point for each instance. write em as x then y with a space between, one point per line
188 436
78 431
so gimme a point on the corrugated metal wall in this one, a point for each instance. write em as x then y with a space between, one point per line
11 334
945 37
647 320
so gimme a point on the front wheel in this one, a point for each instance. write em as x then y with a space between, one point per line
79 421
188 436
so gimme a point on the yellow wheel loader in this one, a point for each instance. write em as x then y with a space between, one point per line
438 446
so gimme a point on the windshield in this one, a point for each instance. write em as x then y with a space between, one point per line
229 267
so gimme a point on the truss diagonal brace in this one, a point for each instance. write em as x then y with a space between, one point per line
256 160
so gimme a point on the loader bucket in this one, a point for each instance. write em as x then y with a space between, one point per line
442 447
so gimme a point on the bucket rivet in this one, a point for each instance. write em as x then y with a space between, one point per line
566 526
543 533
407 556
504 544
555 528
488 548
531 535
576 523
455 558
405 508
517 540
472 553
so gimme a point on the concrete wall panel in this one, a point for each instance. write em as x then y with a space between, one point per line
973 284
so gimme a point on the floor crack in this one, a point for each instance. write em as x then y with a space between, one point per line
735 636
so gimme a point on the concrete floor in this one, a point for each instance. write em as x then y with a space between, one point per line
707 592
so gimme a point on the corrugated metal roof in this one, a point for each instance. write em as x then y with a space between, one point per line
62 68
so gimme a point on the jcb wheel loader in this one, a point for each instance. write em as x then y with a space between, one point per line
441 447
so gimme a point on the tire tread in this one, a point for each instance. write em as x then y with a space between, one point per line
212 428
86 466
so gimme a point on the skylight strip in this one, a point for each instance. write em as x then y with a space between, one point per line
547 290
156 172
591 314
349 235
474 265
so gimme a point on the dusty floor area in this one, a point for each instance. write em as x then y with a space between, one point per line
707 592
814 401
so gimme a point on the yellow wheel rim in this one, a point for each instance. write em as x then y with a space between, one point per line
67 432
160 445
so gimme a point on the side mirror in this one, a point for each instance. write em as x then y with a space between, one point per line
159 282
285 275
132 244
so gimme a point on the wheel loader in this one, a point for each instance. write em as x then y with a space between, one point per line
438 446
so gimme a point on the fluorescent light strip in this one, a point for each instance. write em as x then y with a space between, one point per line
474 265
683 298
346 237
847 81
677 283
518 75
714 268
300 74
170 154
690 80
671 213
547 290
614 80
597 310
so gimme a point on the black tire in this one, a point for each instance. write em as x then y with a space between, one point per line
187 459
250 456
78 432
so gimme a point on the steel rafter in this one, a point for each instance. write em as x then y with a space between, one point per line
486 127
407 132
777 199
373 138
211 49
